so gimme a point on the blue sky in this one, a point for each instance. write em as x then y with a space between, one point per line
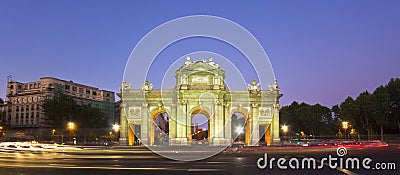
321 51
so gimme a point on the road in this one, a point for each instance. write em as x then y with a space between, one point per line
142 161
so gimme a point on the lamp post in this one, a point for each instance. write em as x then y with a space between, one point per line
71 127
116 128
345 125
285 129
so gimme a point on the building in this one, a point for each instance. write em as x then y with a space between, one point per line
199 89
2 113
24 101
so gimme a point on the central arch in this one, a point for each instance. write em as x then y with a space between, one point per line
199 135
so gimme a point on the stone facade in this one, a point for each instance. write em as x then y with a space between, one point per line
24 101
199 89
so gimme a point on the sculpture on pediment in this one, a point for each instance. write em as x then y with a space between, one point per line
187 60
147 86
274 87
125 86
254 86
212 63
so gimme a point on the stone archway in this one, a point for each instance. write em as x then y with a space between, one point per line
200 88
197 111
158 129
244 126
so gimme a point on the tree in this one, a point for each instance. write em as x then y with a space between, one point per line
365 105
60 110
314 119
64 109
393 89
381 108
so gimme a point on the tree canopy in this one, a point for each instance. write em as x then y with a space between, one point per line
64 109
368 114
315 119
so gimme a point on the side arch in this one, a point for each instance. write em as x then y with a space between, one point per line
247 123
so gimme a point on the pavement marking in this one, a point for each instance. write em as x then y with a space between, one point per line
203 170
345 171
157 165
218 162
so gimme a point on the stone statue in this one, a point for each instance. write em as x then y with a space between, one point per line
274 87
187 60
147 86
125 87
212 63
254 87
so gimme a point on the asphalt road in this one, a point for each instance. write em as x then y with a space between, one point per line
141 161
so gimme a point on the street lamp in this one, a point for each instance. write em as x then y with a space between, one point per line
71 128
116 128
345 125
285 129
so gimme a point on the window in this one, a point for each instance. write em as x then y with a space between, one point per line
87 91
30 86
74 88
11 86
67 87
80 90
107 94
94 93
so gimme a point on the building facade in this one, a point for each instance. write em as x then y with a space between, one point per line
199 89
24 101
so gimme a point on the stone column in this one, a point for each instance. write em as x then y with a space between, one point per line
124 127
181 120
275 126
255 135
146 122
188 121
172 124
219 124
228 122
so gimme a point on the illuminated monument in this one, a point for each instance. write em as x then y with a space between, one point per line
156 117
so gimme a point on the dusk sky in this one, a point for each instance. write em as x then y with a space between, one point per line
321 51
